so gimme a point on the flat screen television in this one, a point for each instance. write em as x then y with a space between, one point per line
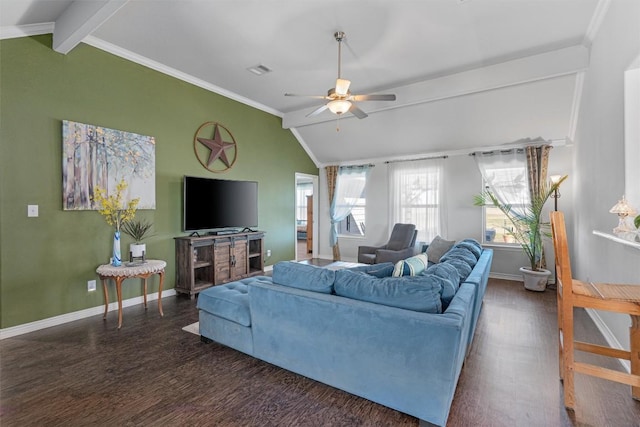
211 204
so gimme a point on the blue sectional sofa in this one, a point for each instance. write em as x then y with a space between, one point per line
397 341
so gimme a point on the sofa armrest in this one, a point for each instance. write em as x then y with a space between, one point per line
386 255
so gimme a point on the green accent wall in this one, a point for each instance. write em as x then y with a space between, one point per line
45 262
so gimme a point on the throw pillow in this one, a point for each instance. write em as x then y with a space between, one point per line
438 247
304 276
410 293
412 266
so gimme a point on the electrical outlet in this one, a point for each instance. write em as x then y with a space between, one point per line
91 285
268 252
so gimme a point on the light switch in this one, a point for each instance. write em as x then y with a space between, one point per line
32 210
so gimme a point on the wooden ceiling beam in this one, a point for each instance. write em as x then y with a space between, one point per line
529 69
79 20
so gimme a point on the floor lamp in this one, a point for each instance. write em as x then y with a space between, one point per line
556 195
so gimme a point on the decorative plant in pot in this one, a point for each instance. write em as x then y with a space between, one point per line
138 230
528 229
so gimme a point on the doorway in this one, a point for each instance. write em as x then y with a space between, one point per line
306 208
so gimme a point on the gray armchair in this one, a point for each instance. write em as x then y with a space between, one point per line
400 246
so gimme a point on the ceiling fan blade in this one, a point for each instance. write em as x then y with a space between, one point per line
381 97
357 111
317 111
308 96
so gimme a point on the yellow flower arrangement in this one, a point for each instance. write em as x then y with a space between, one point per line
111 207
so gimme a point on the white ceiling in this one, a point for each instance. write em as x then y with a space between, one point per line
467 73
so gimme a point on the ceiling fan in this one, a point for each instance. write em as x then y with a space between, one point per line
339 97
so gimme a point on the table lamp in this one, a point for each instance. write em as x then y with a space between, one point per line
623 210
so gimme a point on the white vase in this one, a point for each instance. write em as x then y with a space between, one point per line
116 260
137 250
535 280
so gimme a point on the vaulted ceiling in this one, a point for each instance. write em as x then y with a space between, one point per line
467 73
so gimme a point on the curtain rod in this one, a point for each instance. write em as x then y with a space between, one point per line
357 166
466 151
507 150
414 160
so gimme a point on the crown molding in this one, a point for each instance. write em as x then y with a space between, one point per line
154 65
16 31
596 20
306 148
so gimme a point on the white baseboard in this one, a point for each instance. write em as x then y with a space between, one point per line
77 315
609 337
503 276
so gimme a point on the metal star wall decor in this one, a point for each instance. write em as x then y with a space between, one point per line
212 151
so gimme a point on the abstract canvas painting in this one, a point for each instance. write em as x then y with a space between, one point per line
98 156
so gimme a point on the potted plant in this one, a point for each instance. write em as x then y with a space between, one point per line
528 230
138 229
636 222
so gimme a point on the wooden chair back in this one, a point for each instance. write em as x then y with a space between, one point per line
620 298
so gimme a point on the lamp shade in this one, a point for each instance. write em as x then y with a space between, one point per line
622 208
342 87
555 178
339 106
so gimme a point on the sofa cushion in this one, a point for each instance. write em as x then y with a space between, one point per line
462 266
411 266
438 247
461 253
473 242
451 280
384 269
230 301
418 293
304 276
474 249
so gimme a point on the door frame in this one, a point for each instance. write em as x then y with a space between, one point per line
314 180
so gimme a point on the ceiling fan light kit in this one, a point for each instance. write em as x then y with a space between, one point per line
339 97
339 106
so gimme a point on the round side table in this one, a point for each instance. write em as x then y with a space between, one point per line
119 274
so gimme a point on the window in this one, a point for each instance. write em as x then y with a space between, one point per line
349 202
354 223
505 174
416 196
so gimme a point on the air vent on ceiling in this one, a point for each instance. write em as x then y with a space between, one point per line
259 70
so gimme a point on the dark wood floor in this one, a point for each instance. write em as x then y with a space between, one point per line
153 373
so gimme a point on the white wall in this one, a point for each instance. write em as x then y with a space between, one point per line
462 182
599 158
